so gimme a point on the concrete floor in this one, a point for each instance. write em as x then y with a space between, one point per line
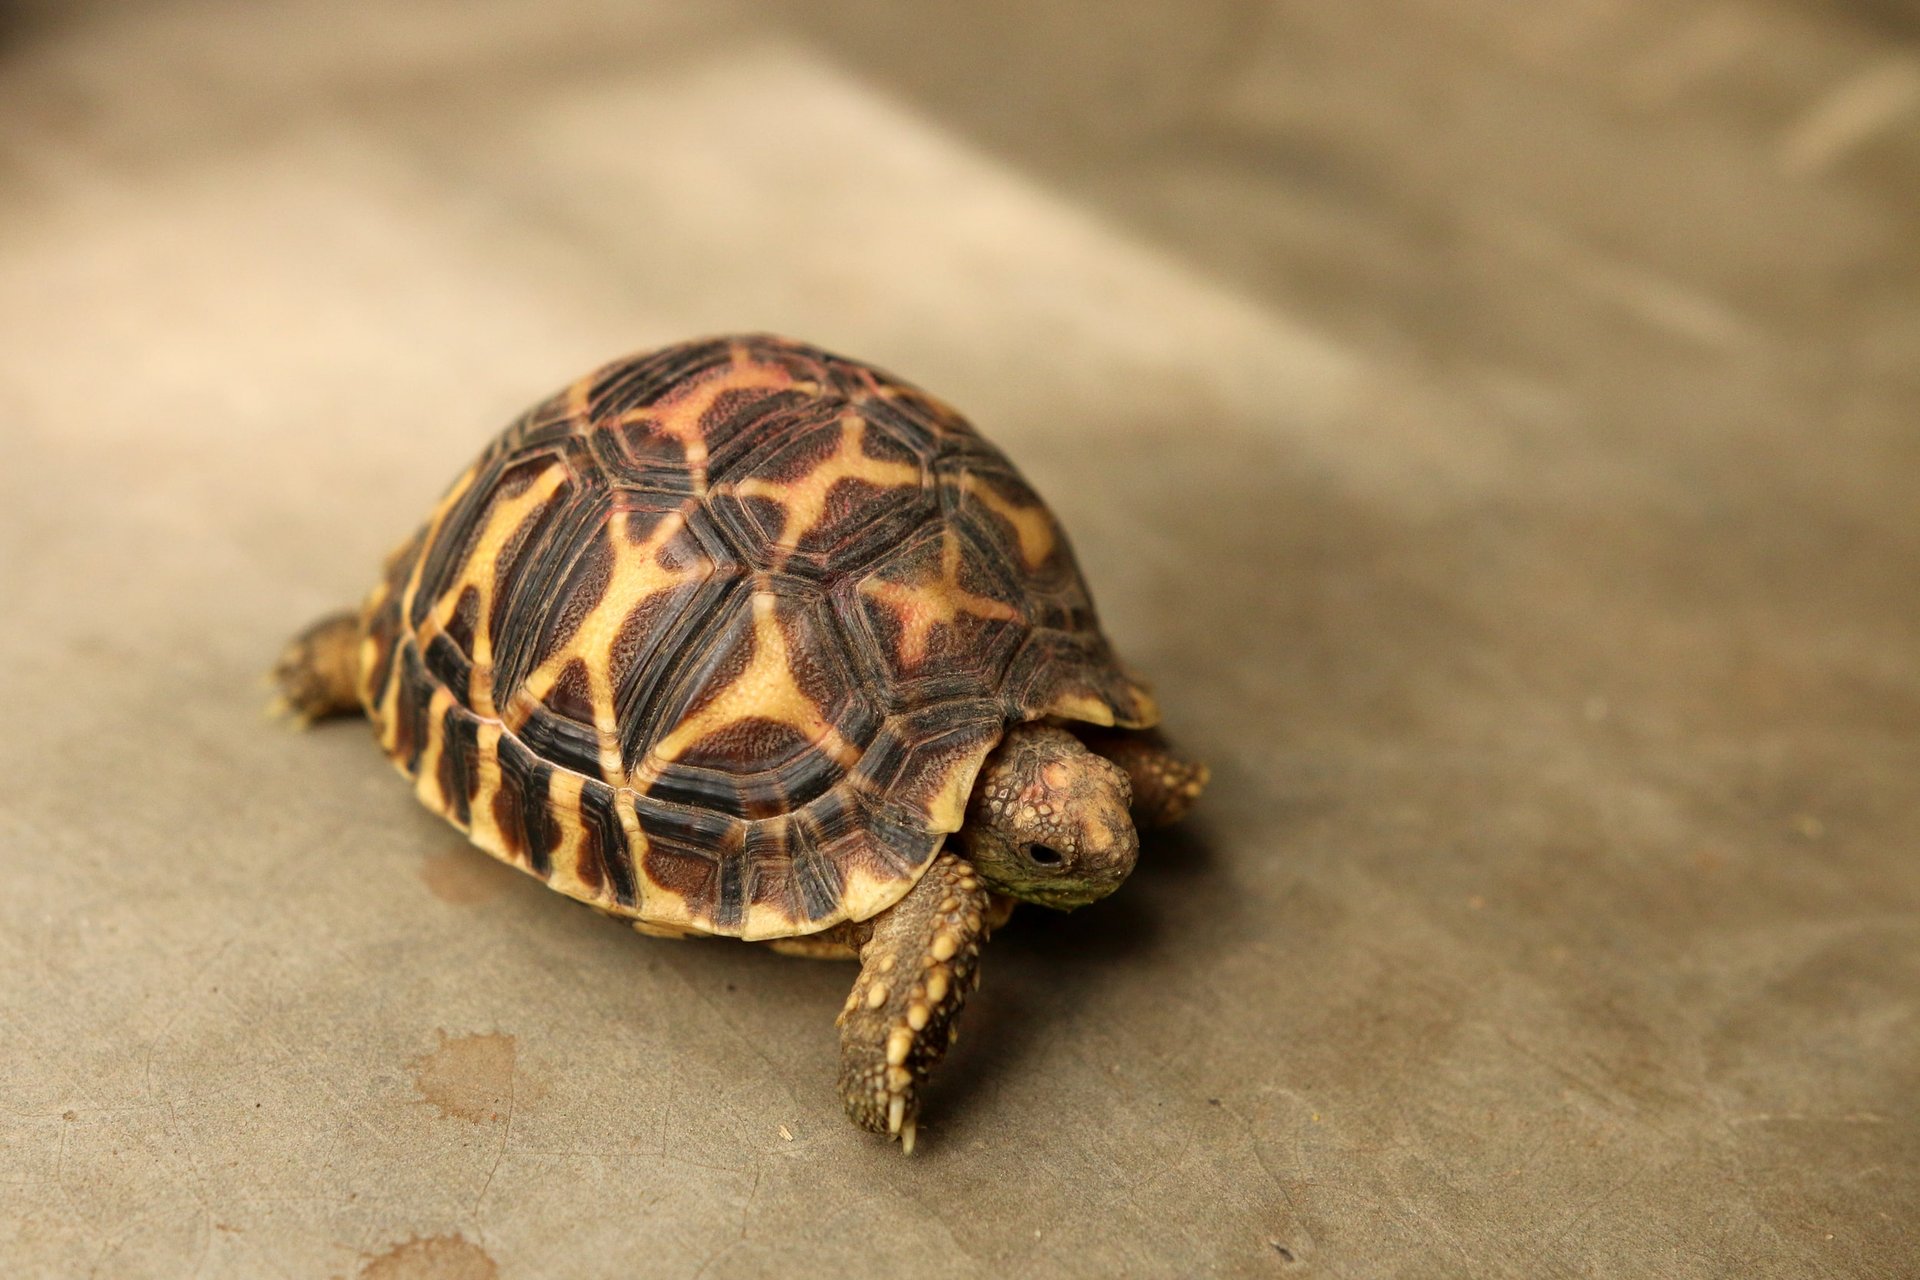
1495 429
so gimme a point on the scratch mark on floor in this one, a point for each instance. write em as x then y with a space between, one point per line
506 1135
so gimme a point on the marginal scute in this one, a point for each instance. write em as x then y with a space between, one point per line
459 762
1074 676
717 638
922 758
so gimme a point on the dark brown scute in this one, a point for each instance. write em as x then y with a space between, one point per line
678 869
816 655
410 708
749 422
459 774
547 423
818 883
603 842
451 544
466 615
562 739
860 519
453 540
927 738
701 672
572 694
527 587
636 383
642 516
1054 664
753 767
532 552
644 459
730 896
522 808
579 591
383 628
768 866
909 416
880 841
447 663
704 772
965 659
685 847
507 802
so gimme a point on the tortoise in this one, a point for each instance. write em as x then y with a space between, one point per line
729 639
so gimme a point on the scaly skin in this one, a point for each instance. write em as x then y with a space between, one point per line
1165 782
916 971
319 671
1048 824
1049 821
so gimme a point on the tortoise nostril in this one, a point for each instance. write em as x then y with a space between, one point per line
1044 855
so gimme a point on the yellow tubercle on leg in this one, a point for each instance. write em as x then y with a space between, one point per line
894 1032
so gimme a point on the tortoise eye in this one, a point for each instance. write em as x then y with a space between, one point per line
1044 855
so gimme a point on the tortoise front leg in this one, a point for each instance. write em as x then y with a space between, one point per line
318 672
916 969
1165 782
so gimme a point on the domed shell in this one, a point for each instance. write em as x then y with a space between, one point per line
717 638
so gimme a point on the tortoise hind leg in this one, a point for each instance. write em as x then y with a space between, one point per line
1165 782
318 674
916 969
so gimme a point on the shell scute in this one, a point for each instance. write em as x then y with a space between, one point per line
924 761
719 637
935 618
825 498
764 716
522 811
744 425
640 382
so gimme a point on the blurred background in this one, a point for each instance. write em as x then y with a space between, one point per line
1495 427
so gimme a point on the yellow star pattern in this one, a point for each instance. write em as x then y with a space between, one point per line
679 416
805 499
636 574
766 690
922 606
479 572
1031 525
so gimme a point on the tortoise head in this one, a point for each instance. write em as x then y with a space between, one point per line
1048 822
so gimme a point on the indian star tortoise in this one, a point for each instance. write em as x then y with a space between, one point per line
728 639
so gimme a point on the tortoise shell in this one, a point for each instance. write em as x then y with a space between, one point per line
718 637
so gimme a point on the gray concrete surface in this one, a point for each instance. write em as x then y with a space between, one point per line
1494 427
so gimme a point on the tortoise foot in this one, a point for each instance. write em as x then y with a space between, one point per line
916 972
317 672
1165 782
